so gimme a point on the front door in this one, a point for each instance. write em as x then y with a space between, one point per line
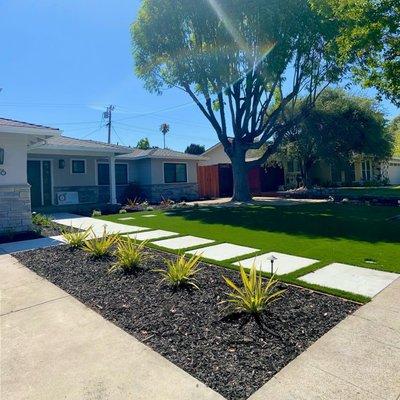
39 177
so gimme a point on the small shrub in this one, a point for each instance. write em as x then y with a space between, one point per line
101 246
255 294
166 203
129 255
122 211
149 208
75 238
96 213
41 220
181 271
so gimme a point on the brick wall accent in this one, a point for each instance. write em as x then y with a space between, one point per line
15 209
173 191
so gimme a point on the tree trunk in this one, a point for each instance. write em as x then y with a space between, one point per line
241 188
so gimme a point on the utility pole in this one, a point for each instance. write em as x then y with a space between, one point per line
108 114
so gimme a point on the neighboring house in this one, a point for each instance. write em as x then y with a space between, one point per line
362 171
15 139
42 170
215 173
216 180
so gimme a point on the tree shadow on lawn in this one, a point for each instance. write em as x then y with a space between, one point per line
330 221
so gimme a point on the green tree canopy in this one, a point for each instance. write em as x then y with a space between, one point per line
394 128
339 127
243 63
143 144
195 149
370 39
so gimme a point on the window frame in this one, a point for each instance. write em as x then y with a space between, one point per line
72 166
127 174
107 163
175 163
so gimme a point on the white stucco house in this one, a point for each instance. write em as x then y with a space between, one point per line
42 170
15 200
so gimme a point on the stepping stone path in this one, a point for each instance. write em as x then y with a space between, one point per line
125 218
149 216
284 263
24 245
224 251
183 242
97 225
363 281
151 235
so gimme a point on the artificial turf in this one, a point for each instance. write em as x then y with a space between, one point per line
366 236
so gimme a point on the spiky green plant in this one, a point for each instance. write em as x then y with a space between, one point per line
75 238
181 271
42 220
255 294
100 246
129 254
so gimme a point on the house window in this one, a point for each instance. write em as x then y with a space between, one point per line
366 168
103 174
121 174
78 166
1 156
175 173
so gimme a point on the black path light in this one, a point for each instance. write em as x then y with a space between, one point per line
272 258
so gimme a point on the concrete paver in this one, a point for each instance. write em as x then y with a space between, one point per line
223 251
357 360
54 347
364 281
151 235
183 242
284 263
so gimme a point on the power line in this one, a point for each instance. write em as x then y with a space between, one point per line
119 137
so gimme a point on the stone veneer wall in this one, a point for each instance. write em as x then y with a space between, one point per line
15 209
173 191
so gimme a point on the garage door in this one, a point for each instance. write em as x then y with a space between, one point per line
394 172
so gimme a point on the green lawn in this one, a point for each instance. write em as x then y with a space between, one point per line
389 192
346 233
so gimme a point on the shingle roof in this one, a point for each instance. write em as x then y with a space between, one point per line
161 153
65 141
22 124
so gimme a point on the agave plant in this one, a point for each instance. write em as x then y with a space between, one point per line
255 294
128 254
181 271
100 246
75 238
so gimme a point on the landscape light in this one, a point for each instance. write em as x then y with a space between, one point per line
272 258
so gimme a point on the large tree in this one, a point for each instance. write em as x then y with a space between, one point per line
340 127
243 63
394 128
370 39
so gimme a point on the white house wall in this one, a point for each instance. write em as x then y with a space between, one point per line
14 157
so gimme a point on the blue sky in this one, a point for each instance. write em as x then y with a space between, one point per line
63 61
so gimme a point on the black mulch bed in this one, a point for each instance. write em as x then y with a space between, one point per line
233 354
37 233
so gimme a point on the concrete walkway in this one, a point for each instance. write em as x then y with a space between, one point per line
359 359
54 347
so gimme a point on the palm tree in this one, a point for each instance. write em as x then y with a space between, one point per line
164 128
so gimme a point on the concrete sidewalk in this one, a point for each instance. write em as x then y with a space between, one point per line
53 347
359 359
